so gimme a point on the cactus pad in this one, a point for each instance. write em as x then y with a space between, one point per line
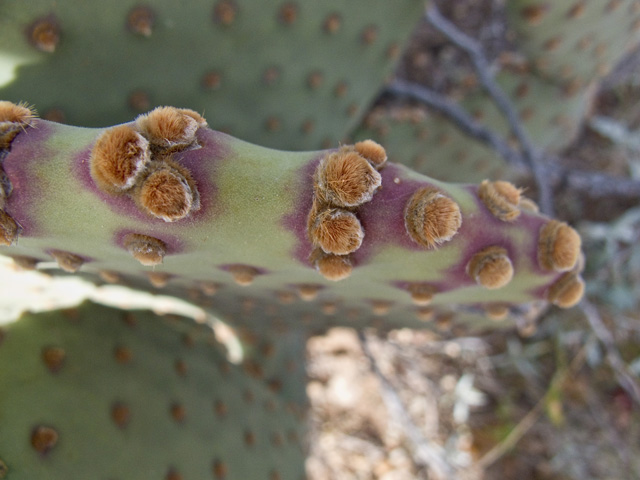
95 392
324 63
572 42
250 238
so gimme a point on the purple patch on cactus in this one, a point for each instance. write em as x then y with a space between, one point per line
383 217
26 151
296 220
202 163
120 204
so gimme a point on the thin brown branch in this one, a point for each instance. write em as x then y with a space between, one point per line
593 184
530 154
626 380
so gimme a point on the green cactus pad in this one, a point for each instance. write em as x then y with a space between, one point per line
249 235
572 42
277 356
95 392
289 75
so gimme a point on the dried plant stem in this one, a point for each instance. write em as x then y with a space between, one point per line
530 418
594 184
425 452
531 156
624 377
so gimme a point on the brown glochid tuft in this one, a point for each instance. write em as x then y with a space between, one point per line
332 23
491 268
169 127
118 158
139 101
13 119
431 218
200 120
577 10
20 113
381 307
501 198
147 250
421 293
534 14
44 34
69 262
220 470
308 291
178 412
6 187
243 275
209 288
53 358
141 20
372 151
168 192
120 414
109 276
497 311
25 262
346 179
333 267
558 246
566 291
528 205
43 439
288 13
425 314
225 12
158 279
9 229
335 231
369 35
173 474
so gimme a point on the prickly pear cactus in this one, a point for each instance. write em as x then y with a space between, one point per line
168 202
562 49
573 42
211 56
95 392
276 356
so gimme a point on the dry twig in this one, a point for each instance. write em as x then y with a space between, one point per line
593 184
529 420
530 154
620 369
425 453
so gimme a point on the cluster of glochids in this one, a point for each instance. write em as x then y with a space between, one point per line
343 180
558 247
13 119
136 160
348 178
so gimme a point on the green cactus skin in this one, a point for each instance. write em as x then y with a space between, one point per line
276 355
324 63
572 42
253 220
433 146
132 395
